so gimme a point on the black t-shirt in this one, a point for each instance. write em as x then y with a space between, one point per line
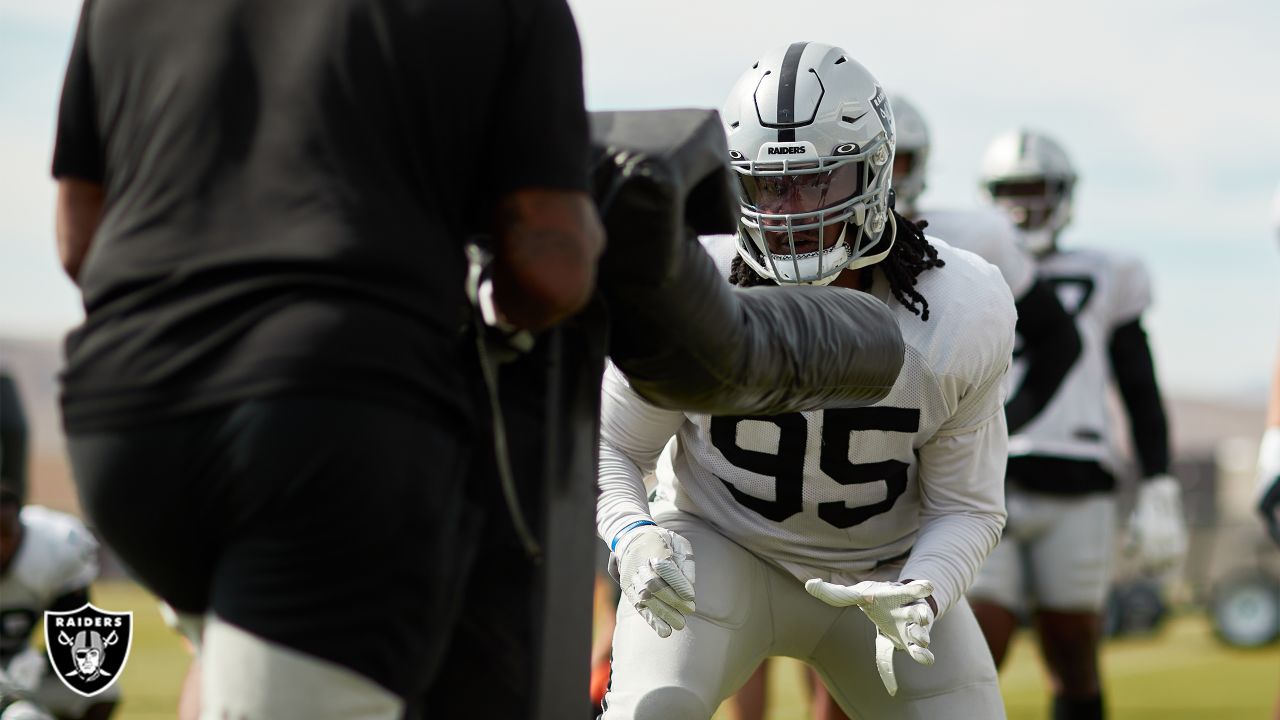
289 185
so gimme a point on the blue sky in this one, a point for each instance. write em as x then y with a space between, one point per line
1169 109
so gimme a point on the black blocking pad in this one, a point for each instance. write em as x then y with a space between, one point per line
684 337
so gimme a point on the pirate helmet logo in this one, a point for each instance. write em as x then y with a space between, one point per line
88 647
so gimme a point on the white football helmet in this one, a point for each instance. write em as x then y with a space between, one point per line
911 156
811 142
1029 176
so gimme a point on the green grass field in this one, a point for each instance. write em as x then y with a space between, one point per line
1182 674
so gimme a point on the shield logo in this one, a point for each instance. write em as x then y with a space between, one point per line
89 647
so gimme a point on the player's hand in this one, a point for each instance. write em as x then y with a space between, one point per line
1157 530
900 612
655 569
27 668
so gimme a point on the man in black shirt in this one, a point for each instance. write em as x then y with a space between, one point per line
270 404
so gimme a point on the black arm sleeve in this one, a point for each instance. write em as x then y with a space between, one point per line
1051 344
13 439
77 149
73 600
1136 375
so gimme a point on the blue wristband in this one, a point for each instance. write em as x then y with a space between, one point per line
639 523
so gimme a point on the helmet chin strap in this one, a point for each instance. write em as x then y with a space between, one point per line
865 260
824 281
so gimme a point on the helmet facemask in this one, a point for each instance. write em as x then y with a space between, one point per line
1029 176
806 219
1040 207
811 141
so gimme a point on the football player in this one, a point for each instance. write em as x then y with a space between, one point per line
1048 341
47 561
1058 545
841 537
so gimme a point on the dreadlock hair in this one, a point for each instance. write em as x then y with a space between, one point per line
911 255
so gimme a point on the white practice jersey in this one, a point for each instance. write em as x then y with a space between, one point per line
989 234
1102 292
57 555
834 493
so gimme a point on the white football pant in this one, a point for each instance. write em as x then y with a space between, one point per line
748 610
1055 553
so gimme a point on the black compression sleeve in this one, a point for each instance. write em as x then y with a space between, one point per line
1136 375
1051 345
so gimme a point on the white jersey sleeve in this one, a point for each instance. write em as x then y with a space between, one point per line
722 249
633 433
987 233
961 467
1133 290
962 508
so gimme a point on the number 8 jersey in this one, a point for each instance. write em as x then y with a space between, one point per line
835 493
1101 292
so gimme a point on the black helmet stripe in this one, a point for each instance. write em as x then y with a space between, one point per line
787 90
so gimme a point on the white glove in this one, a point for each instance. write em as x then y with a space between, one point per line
900 613
1157 530
26 669
655 569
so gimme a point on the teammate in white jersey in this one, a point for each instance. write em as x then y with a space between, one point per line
47 561
834 536
1048 341
1058 544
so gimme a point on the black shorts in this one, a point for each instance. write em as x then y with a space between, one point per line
331 525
